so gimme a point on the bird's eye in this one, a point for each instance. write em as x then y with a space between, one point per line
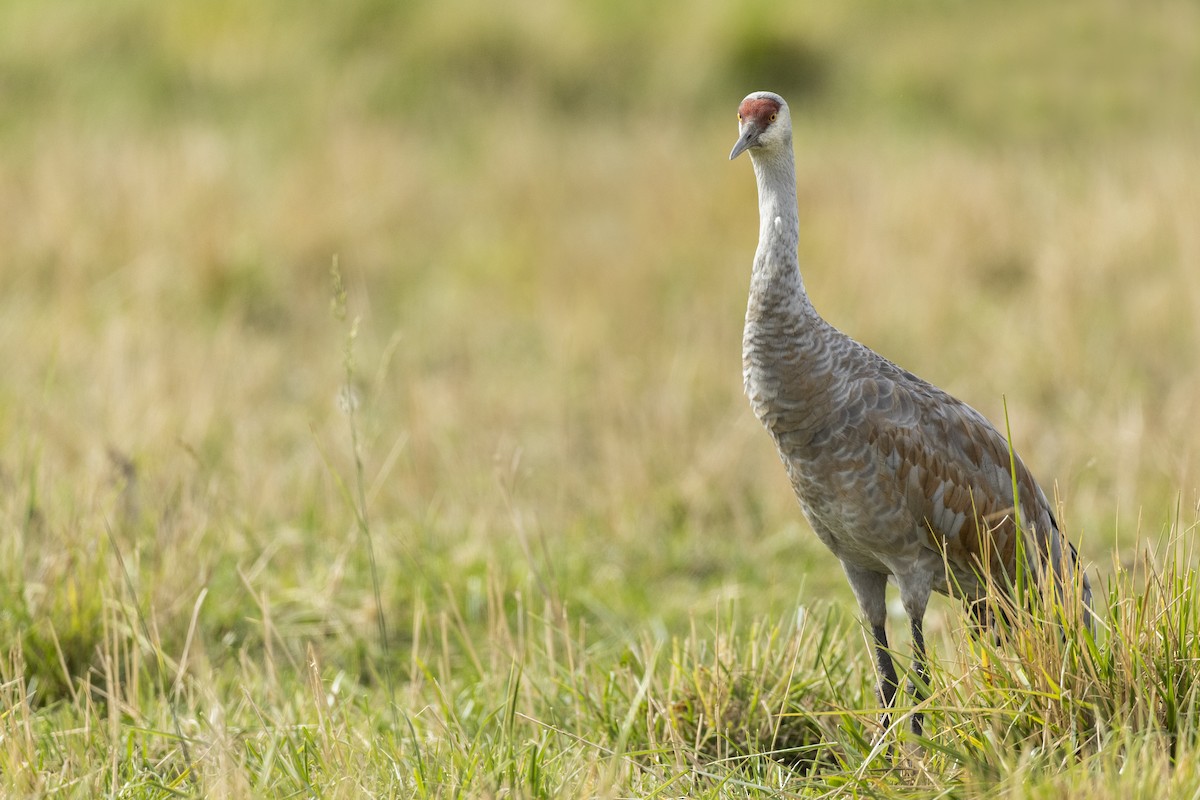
739 116
773 116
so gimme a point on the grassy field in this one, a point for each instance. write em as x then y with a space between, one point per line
371 418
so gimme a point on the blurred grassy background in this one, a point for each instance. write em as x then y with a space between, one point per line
549 253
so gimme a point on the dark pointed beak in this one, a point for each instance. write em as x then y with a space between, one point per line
747 140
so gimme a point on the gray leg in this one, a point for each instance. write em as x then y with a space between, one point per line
981 617
885 670
920 668
914 593
870 589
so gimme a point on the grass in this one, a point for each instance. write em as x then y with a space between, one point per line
503 525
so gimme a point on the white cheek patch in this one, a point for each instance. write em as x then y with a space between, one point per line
778 224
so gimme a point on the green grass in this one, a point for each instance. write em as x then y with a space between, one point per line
550 493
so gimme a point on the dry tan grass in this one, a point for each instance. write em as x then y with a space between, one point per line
577 303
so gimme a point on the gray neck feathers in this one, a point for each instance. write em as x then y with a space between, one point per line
776 285
785 347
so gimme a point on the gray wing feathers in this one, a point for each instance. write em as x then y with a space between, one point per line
958 474
879 457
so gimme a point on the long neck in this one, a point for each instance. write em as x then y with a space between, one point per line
785 360
776 286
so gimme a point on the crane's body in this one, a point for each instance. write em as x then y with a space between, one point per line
898 479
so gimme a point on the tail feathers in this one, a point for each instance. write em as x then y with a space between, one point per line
1070 579
1085 590
1071 585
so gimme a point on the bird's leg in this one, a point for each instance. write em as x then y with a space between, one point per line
920 673
870 589
885 669
915 587
984 625
981 617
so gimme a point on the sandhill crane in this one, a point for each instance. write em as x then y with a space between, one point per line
899 479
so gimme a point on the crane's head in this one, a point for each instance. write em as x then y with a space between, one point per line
763 121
